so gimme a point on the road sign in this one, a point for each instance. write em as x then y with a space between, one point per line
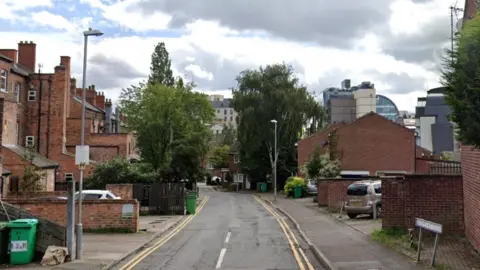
82 155
429 226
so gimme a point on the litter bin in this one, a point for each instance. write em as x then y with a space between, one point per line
4 242
297 192
22 240
191 202
263 187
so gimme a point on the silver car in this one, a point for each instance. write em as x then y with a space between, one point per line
312 189
363 197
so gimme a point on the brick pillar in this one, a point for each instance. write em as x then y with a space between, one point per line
27 54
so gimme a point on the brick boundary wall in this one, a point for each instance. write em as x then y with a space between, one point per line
471 191
438 198
37 194
124 191
97 214
332 192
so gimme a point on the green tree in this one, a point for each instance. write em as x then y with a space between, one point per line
32 174
160 68
219 157
272 92
461 79
322 165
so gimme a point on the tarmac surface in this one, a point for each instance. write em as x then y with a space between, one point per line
233 231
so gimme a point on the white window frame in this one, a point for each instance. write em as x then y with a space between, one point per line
32 96
29 141
67 175
209 166
17 92
3 80
236 159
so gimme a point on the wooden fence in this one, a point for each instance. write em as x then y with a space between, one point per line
48 232
161 198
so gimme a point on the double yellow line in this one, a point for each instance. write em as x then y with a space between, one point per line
298 253
144 253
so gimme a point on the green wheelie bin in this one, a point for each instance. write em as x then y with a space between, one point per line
297 192
191 202
23 233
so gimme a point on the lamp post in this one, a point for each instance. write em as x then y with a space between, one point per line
79 228
275 162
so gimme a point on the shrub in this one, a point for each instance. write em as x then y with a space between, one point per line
292 182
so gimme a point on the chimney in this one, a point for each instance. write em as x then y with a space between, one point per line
117 116
100 100
90 95
73 86
27 54
108 116
10 53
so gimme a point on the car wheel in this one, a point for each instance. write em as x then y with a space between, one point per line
352 216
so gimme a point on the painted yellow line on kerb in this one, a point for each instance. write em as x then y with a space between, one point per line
290 237
144 253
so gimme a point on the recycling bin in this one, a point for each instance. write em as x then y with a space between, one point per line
263 187
297 192
23 234
191 202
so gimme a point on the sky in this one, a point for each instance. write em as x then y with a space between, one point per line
396 44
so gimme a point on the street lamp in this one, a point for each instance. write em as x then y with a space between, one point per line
275 162
86 34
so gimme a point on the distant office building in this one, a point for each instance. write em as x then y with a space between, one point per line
224 113
434 129
348 104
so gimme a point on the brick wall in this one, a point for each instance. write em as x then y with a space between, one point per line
26 195
432 197
124 191
471 192
333 192
97 214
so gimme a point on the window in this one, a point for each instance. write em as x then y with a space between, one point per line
231 118
32 95
225 118
225 112
231 112
357 190
3 80
218 111
17 92
30 142
91 196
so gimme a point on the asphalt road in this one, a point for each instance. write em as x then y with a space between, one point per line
232 231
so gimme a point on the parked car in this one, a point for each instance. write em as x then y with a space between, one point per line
362 197
312 187
97 195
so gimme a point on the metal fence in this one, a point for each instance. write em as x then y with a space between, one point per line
62 186
161 198
444 167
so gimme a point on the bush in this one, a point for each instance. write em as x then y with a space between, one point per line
292 182
119 171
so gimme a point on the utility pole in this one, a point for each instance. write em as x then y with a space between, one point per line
275 155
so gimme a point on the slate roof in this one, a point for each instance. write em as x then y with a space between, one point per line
38 160
222 104
16 68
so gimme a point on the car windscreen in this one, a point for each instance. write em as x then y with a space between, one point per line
378 188
357 190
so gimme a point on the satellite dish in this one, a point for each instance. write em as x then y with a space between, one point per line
459 24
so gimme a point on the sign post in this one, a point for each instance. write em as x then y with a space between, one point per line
436 228
82 158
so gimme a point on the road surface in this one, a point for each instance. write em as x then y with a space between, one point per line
231 231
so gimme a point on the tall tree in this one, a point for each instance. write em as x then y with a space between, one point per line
272 92
161 67
461 79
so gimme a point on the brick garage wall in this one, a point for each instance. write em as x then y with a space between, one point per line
333 192
124 191
432 197
97 214
471 192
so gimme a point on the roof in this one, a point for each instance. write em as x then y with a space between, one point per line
217 104
438 90
38 160
88 105
16 68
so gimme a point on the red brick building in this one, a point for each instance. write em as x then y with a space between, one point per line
43 111
369 145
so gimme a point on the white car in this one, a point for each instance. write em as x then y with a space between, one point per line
97 195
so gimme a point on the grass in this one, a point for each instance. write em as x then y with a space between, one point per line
391 237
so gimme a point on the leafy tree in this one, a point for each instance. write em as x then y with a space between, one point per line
160 69
227 137
219 157
267 93
322 165
314 164
119 171
32 174
461 79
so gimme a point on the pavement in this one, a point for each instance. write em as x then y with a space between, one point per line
232 231
342 246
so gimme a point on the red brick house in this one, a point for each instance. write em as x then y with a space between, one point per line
369 145
43 111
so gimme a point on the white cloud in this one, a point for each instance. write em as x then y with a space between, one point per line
10 7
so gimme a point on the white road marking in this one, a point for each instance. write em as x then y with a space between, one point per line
228 237
220 258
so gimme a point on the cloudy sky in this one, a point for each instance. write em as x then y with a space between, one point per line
395 44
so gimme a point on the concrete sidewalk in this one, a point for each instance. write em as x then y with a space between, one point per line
343 246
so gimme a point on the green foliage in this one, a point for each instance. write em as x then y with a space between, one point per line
119 171
322 165
446 155
292 182
219 157
270 93
461 79
160 69
32 174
